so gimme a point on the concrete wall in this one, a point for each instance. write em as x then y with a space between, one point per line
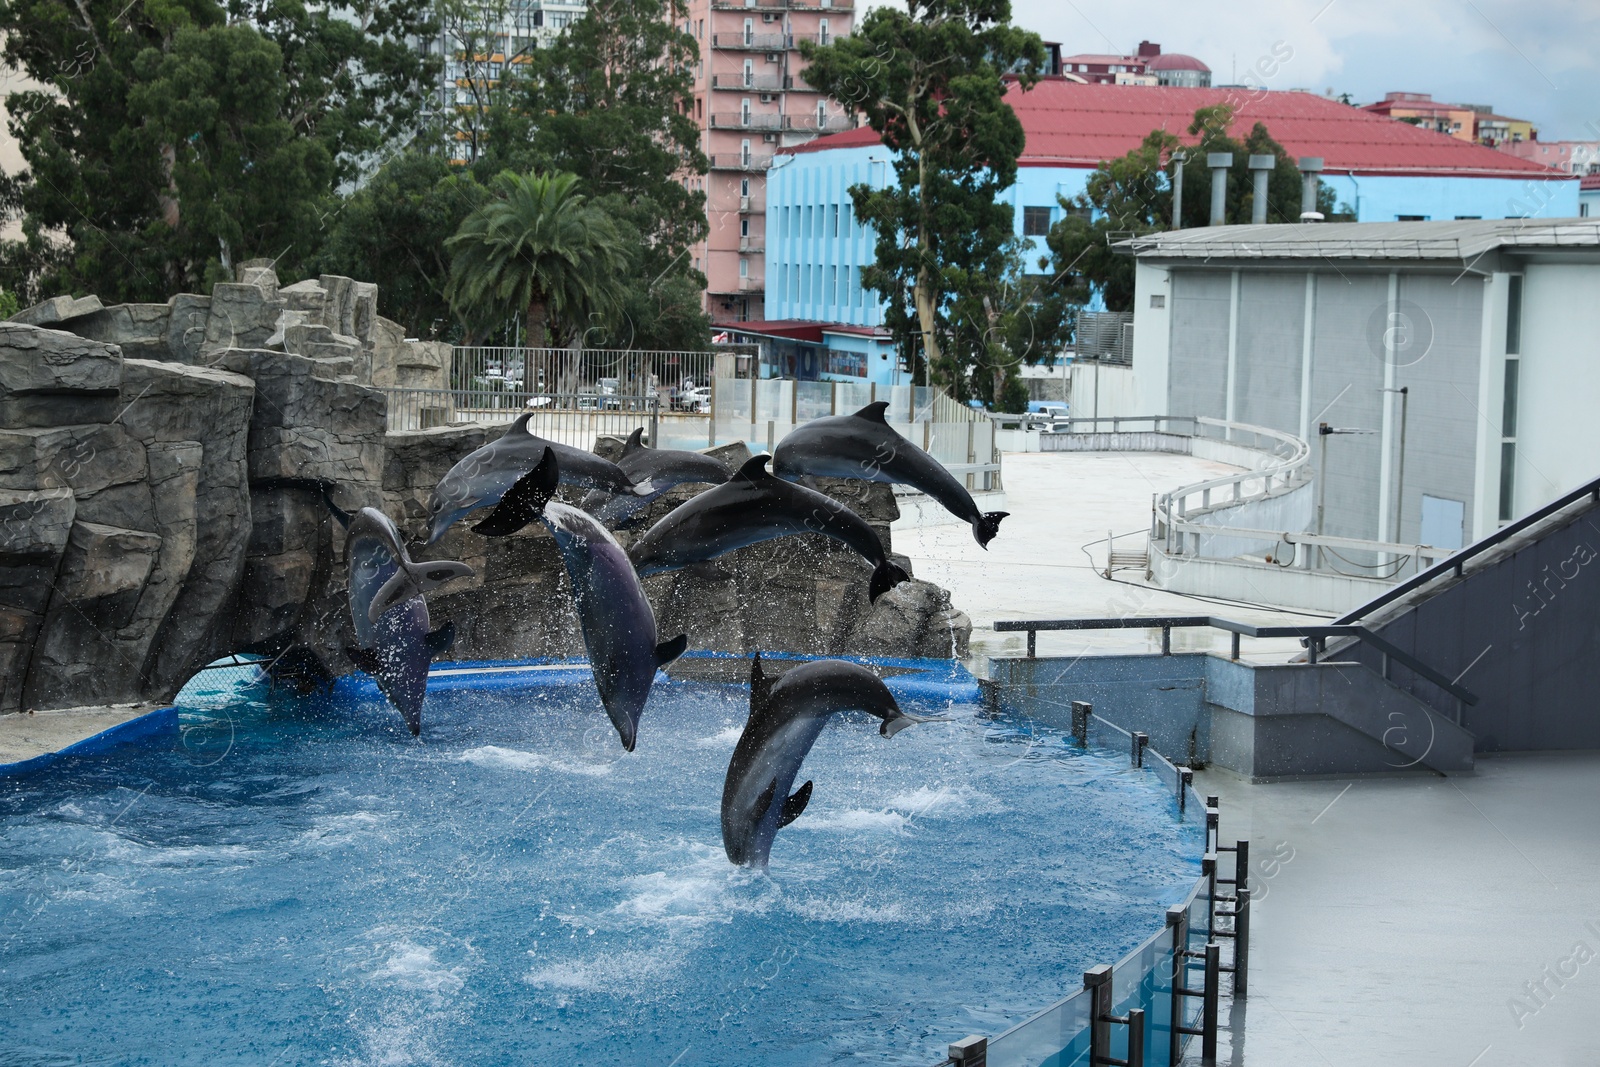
1385 198
1558 435
1099 389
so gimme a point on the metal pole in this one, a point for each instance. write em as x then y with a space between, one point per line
1135 1056
1177 922
1261 168
1219 162
1081 710
1098 981
1400 473
1140 740
1208 1039
970 1051
1323 430
1178 160
1241 937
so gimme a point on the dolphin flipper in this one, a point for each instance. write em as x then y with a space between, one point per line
667 651
893 726
414 579
440 640
364 659
796 804
524 502
339 513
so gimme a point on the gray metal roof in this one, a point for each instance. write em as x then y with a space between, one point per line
1460 240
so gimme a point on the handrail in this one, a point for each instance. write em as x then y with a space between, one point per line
1457 561
1315 638
1300 537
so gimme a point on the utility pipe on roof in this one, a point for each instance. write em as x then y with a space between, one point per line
1261 168
1310 182
1219 162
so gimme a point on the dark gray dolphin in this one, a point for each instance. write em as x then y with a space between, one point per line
786 716
482 477
395 641
864 446
663 468
752 507
619 626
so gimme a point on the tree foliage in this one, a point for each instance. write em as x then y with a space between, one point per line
931 82
539 248
1132 195
175 137
1000 323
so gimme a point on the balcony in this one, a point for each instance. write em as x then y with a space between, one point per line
831 124
782 5
753 243
752 42
741 120
755 83
747 163
752 205
752 285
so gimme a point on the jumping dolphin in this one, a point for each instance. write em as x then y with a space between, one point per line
786 716
619 627
864 446
481 478
663 468
750 508
394 640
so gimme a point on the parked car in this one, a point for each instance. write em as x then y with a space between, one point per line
1058 408
697 400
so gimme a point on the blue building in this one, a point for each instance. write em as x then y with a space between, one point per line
1379 169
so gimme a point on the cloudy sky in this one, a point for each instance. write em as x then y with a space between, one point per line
1535 59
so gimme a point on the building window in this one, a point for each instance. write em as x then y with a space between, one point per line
1158 300
1411 218
1583 211
1035 221
1514 316
834 211
749 73
822 31
744 227
744 267
744 186
1508 404
1508 478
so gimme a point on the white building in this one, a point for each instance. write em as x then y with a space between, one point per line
1475 343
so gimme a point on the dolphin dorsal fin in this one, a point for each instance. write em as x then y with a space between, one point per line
760 687
795 805
634 444
874 412
520 426
754 469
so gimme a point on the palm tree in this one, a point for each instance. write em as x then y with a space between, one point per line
541 249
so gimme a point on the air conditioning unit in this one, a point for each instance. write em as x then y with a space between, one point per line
744 203
773 57
770 138
766 98
768 16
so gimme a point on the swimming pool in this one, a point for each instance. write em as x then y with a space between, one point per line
299 881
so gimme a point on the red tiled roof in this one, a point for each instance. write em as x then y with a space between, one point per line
1073 125
1590 181
1177 61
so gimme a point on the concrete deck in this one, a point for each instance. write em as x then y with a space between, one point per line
1047 559
1421 920
24 736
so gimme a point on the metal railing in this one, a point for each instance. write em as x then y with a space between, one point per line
1105 335
1315 638
606 373
1143 1010
1455 563
576 419
754 42
740 162
758 83
752 120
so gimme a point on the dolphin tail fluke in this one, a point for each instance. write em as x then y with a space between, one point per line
795 805
667 651
985 526
885 576
524 502
900 721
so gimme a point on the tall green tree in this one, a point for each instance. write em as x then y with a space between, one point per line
1005 321
1132 195
541 249
931 82
394 229
174 137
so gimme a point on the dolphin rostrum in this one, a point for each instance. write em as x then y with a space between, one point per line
619 626
481 478
395 641
751 507
786 716
663 468
865 446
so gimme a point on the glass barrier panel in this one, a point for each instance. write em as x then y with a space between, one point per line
853 396
1056 1037
1143 979
813 400
774 400
732 400
899 398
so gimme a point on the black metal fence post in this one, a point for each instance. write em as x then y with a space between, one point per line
1081 710
1208 1022
1178 922
1140 742
971 1051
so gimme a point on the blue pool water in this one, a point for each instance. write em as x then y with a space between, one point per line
301 882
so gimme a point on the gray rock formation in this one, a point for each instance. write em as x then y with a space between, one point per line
160 510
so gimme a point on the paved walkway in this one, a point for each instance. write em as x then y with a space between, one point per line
1047 559
26 736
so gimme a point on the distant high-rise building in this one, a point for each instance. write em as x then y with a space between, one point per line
750 99
1147 66
1569 157
479 40
1475 123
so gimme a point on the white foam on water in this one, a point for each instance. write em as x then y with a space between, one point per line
706 888
514 759
417 968
726 738
858 819
614 973
851 911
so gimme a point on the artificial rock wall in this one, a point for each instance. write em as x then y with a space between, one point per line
161 472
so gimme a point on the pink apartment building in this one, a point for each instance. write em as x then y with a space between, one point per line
751 99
